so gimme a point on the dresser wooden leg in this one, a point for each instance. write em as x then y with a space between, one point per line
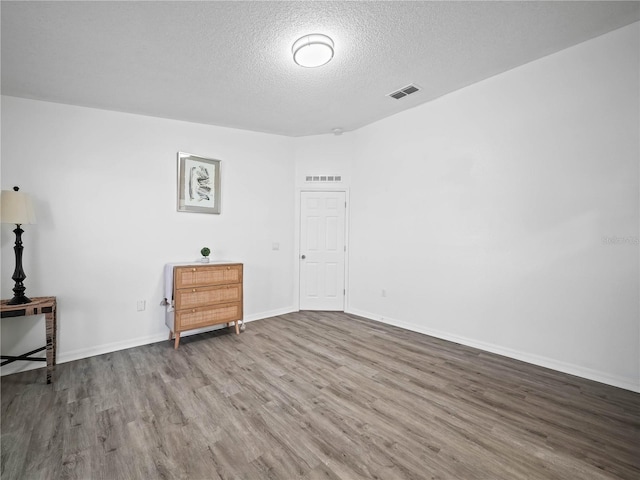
175 346
237 327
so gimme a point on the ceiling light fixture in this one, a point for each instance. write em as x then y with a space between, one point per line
312 50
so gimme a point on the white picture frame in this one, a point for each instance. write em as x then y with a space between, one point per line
198 184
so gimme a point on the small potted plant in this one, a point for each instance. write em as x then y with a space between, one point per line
205 254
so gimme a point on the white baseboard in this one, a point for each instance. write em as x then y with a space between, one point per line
271 313
137 342
81 353
538 360
64 357
564 367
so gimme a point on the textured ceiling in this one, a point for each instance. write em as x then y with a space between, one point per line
230 64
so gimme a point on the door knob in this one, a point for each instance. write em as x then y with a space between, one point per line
303 257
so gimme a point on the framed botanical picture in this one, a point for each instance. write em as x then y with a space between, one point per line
198 184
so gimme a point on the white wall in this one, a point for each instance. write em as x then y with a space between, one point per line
323 155
485 214
319 155
488 216
104 184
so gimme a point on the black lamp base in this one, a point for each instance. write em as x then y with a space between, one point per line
19 300
19 297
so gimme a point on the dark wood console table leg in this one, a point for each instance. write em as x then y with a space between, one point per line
51 328
38 305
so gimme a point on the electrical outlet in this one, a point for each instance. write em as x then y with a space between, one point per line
141 305
383 293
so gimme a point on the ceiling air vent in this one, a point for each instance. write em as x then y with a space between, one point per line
403 92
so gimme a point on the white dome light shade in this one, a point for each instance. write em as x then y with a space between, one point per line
312 50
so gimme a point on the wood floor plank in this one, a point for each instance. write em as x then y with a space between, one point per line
314 395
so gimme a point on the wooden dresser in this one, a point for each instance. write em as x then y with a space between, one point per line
205 295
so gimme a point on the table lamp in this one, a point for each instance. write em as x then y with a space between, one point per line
16 208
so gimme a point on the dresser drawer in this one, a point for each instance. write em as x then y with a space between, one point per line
194 276
210 295
205 316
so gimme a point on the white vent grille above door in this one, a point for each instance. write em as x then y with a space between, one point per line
323 178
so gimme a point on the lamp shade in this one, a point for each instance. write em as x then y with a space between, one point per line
16 207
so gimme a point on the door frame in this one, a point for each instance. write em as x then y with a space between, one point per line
298 225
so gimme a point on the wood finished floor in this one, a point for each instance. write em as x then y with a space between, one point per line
314 395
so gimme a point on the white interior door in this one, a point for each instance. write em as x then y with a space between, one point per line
322 250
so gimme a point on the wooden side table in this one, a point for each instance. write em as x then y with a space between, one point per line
38 306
